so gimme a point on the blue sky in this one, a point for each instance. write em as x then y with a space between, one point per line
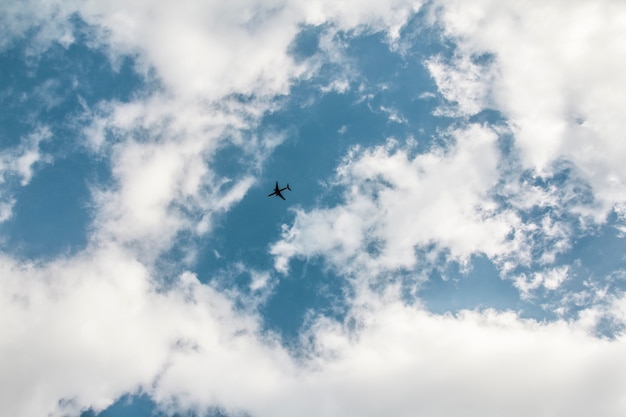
453 241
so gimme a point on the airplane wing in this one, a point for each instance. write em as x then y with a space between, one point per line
280 195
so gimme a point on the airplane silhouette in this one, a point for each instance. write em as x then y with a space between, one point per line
277 191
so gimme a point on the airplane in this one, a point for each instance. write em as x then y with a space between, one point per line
277 191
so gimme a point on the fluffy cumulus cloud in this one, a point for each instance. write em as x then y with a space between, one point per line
406 361
397 203
78 333
161 164
81 330
189 349
416 365
553 73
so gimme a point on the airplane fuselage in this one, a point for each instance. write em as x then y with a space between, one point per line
278 191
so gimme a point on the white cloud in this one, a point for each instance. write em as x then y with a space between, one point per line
204 49
396 203
463 82
556 74
80 332
88 329
50 19
472 364
21 162
6 209
405 361
393 115
550 279
22 159
371 15
187 344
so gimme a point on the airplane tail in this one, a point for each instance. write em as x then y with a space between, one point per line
288 187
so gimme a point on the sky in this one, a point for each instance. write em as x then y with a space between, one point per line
453 243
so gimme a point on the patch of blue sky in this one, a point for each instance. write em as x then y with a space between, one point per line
320 128
52 213
388 96
309 291
244 234
448 289
596 270
306 42
47 89
127 406
385 92
142 406
243 238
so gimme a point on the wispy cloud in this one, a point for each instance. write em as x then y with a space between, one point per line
20 162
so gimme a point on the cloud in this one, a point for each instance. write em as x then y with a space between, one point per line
393 115
396 204
22 159
50 21
474 363
405 361
81 332
550 280
373 16
462 82
20 162
553 76
201 49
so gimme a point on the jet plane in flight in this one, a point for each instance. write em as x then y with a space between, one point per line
277 191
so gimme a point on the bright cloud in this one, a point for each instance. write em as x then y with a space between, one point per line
22 159
397 204
554 74
79 333
21 162
188 348
464 83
